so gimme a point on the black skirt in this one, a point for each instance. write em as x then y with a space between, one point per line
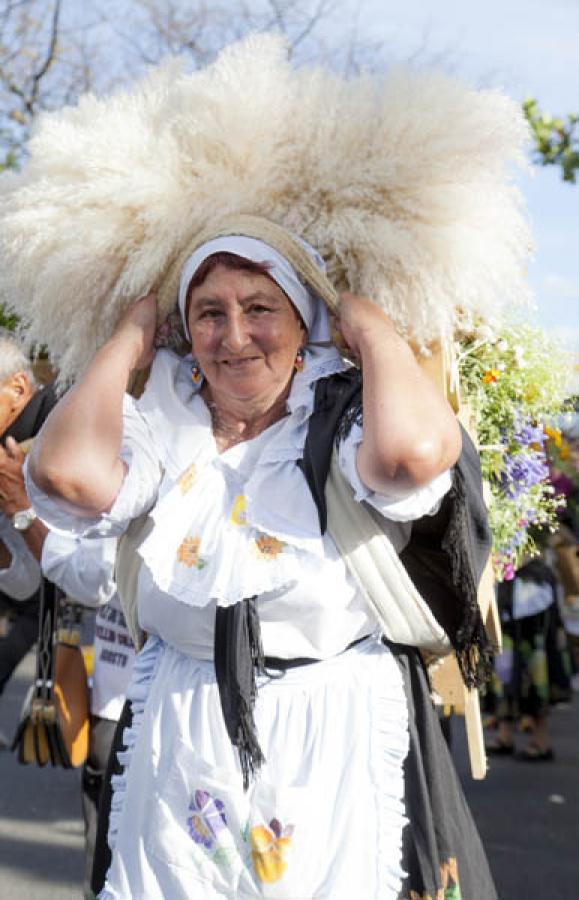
442 851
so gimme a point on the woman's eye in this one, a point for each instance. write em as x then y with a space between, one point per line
259 308
210 314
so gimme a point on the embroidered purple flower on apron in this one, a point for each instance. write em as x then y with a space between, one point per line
207 818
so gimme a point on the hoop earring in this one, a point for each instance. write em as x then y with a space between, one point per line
196 373
300 360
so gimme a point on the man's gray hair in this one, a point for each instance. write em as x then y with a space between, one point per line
12 358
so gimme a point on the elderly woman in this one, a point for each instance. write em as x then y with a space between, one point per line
269 749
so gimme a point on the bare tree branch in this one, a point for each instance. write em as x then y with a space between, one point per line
48 59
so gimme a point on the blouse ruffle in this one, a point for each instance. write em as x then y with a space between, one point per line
230 525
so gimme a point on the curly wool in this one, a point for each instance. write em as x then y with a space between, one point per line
402 182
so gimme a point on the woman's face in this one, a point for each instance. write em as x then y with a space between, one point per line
245 334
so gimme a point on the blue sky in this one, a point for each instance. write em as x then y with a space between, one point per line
526 47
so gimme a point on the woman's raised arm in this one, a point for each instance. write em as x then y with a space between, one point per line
76 454
411 434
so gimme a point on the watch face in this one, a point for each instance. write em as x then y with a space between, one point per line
23 519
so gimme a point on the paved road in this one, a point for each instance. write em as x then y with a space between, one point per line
528 815
41 835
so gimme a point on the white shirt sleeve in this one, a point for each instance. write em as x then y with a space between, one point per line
137 494
84 569
22 577
421 502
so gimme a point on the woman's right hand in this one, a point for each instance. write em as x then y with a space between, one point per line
135 332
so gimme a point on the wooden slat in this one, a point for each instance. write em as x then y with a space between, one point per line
446 679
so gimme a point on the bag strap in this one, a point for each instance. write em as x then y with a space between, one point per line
374 564
46 629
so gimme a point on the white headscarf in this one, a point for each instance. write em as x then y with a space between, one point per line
310 307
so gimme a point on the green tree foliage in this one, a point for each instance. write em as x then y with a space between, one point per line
556 140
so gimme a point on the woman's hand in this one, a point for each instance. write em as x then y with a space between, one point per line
360 322
135 333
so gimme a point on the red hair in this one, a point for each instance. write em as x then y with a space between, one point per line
228 261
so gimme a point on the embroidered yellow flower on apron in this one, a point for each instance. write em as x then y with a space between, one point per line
268 849
188 553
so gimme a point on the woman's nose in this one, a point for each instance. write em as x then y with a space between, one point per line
235 335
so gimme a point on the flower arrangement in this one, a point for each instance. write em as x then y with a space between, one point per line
564 463
515 383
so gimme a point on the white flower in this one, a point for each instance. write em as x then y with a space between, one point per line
520 357
485 333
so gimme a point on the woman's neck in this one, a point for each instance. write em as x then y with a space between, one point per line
234 423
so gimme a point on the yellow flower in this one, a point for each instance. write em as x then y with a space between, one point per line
238 513
187 479
268 547
188 553
532 394
554 434
491 376
267 853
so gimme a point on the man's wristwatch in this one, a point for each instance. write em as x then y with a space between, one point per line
23 519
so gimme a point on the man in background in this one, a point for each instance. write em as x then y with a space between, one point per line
24 405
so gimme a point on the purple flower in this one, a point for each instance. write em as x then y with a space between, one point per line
508 571
207 818
526 434
522 471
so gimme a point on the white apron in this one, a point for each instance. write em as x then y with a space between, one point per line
322 821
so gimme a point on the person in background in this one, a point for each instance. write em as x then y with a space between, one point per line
533 668
84 570
24 406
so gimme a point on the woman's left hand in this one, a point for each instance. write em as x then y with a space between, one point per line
360 321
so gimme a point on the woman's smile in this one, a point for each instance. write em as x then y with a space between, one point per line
242 363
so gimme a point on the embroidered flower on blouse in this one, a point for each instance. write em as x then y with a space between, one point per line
268 547
238 511
268 849
188 553
207 819
187 479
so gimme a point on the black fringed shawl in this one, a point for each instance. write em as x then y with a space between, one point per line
447 552
445 558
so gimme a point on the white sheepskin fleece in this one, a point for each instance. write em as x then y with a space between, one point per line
403 182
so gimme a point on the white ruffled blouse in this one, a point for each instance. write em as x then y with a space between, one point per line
237 524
